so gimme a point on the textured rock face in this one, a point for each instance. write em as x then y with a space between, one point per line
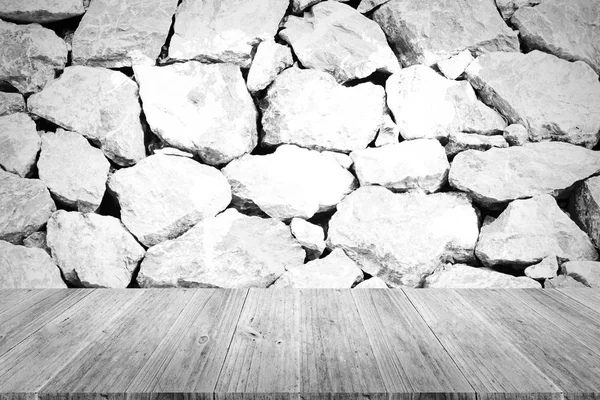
25 206
389 133
163 196
310 109
459 142
115 33
419 164
30 56
498 176
508 7
545 269
24 268
93 250
585 207
222 31
292 182
11 103
230 250
463 276
19 144
37 240
453 67
529 231
100 104
563 281
199 108
300 5
405 237
415 91
586 272
372 283
516 135
310 236
270 59
368 5
335 38
336 271
73 170
429 31
567 30
40 11
553 98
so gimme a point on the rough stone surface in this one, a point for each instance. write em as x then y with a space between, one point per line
416 90
199 108
335 38
389 133
230 250
310 236
40 11
372 283
463 276
585 208
529 231
115 33
497 176
292 182
429 31
37 240
366 6
453 67
545 269
270 59
25 268
419 164
459 142
25 207
73 170
224 30
567 30
93 250
336 271
11 103
100 104
553 98
586 272
30 56
300 5
19 144
405 237
164 196
562 281
516 135
310 109
508 7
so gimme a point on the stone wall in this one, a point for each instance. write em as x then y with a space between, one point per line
263 143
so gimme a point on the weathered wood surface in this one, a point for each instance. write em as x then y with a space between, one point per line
299 344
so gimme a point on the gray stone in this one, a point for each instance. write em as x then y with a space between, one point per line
585 208
454 67
366 6
25 268
11 103
563 281
310 236
300 5
19 144
403 238
270 59
389 133
230 250
93 250
30 56
459 142
164 196
497 176
516 135
100 104
200 108
372 283
529 231
460 276
508 7
553 98
586 272
40 11
37 240
545 269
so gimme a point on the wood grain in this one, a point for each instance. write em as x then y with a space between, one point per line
588 297
23 298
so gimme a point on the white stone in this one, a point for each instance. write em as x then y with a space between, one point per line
310 236
454 66
459 142
366 6
300 5
464 277
343 159
586 272
37 240
389 133
40 11
563 281
19 144
508 7
270 59
585 207
516 135
25 268
372 283
545 269
11 103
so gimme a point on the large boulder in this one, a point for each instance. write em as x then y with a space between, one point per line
200 108
30 56
164 196
553 98
335 38
497 176
25 268
11 103
19 144
460 276
93 250
311 237
310 109
529 231
571 32
230 250
74 171
25 207
585 207
101 104
224 30
336 271
454 67
115 33
428 31
419 164
416 90
403 238
40 11
292 182
270 59
586 272
508 7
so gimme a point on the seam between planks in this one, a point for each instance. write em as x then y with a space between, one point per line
566 293
17 304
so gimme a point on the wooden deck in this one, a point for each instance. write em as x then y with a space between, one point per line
299 344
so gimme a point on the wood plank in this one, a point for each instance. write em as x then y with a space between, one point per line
410 357
588 297
559 355
32 363
23 298
491 363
